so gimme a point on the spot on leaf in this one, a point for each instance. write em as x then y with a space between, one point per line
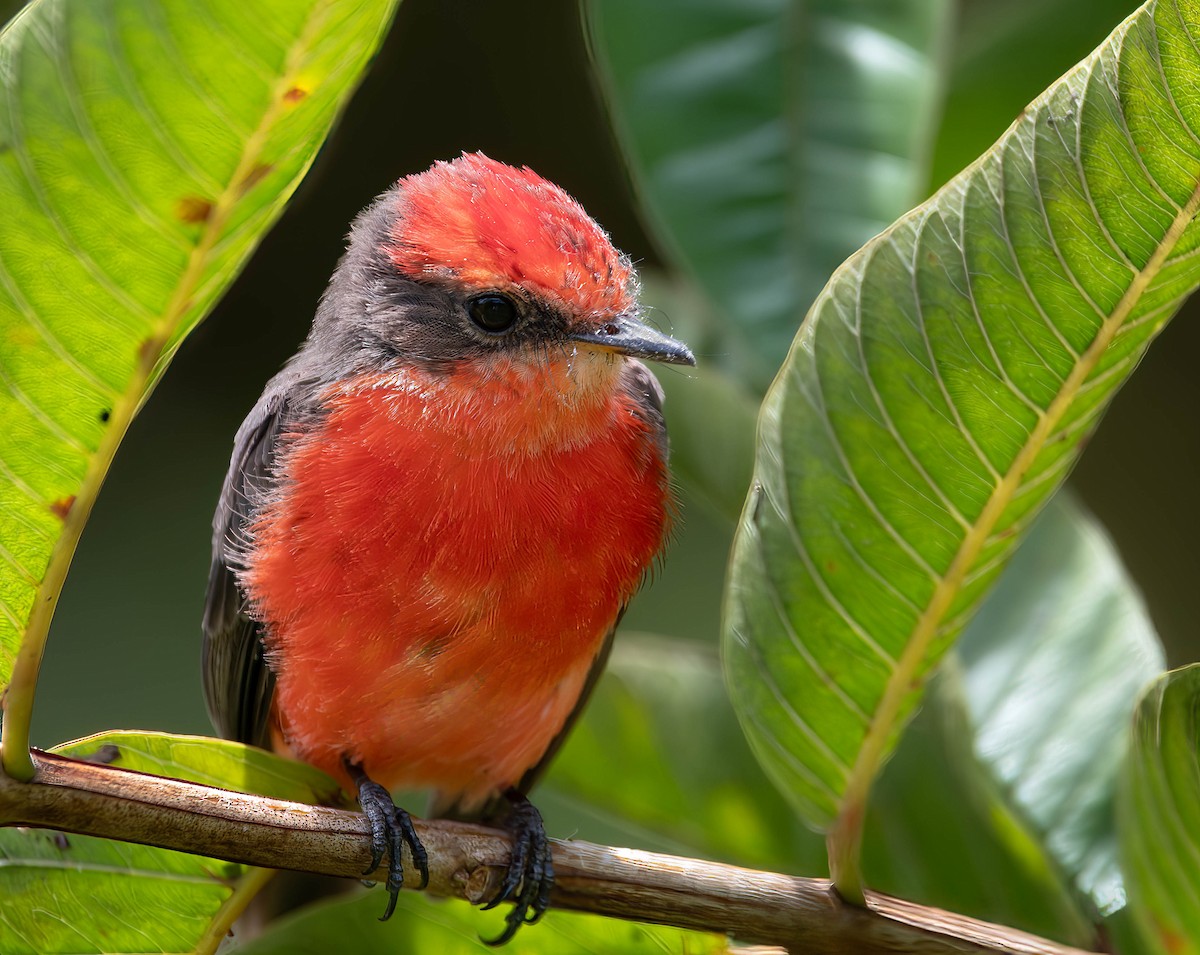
193 209
62 507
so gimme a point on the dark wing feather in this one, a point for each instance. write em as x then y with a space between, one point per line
238 684
649 394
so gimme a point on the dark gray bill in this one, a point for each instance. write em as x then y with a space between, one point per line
628 336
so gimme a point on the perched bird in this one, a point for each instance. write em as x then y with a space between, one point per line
437 512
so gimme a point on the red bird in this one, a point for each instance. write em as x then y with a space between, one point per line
437 512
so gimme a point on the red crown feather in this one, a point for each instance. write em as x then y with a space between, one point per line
492 226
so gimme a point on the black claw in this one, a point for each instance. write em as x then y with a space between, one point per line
530 875
391 828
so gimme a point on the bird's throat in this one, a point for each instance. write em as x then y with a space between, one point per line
523 405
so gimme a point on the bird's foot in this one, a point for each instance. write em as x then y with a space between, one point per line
530 873
391 828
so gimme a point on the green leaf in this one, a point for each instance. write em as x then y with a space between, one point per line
452 927
1158 813
939 391
74 894
210 762
145 148
769 140
1053 666
138 898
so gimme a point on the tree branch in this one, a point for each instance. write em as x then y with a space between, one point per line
466 861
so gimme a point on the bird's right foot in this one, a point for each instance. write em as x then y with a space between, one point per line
391 829
530 875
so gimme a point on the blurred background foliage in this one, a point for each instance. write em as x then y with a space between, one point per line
514 81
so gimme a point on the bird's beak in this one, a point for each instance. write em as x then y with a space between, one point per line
625 335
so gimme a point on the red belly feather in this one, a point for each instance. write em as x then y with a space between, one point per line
444 563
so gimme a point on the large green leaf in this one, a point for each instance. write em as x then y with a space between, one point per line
145 147
1159 813
76 894
939 391
1053 665
62 893
769 140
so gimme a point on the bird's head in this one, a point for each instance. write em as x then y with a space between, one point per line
473 260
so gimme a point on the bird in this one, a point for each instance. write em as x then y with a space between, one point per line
439 509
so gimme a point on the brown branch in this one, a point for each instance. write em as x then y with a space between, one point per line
803 915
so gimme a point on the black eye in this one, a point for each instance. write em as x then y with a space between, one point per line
493 312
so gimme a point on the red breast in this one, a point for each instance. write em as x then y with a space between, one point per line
445 556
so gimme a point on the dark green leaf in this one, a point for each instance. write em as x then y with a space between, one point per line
658 762
939 833
769 140
710 416
1159 813
990 76
446 927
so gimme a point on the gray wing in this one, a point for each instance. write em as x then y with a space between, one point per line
649 393
238 684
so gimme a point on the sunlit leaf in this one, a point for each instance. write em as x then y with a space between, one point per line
210 762
69 894
145 148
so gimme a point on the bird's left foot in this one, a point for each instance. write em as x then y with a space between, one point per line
530 873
